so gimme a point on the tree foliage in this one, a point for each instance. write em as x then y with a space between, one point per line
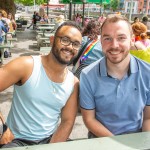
114 4
30 2
8 6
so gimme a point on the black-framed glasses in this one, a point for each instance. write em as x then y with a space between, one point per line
66 42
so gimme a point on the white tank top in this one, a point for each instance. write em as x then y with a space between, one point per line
37 104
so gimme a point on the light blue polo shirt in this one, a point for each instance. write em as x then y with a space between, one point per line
118 104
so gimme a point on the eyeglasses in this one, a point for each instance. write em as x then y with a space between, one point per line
66 41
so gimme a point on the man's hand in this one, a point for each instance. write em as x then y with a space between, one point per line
7 137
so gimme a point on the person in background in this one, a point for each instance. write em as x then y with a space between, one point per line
59 21
3 29
33 23
44 19
115 91
37 19
144 40
44 91
138 28
78 19
146 22
141 39
101 19
86 21
136 19
91 47
13 22
5 20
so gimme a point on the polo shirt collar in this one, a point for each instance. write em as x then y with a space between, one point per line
133 66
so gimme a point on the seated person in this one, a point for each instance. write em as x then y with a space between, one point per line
13 22
44 92
59 21
91 47
115 91
138 28
44 19
146 22
141 40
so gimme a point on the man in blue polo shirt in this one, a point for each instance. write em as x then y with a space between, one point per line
115 91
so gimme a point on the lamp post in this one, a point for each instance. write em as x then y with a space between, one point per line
47 7
101 7
74 9
84 1
70 10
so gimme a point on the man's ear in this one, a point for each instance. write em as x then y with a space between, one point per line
51 40
132 40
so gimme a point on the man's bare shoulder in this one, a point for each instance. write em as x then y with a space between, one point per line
17 70
20 62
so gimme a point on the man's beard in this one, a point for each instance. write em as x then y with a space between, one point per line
124 55
58 57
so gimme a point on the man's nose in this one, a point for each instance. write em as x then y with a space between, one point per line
70 45
115 43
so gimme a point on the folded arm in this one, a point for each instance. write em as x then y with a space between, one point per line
146 119
93 124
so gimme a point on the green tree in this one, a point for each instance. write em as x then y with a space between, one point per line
30 2
114 4
105 5
8 6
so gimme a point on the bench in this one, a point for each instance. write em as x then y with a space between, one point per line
45 50
46 42
10 40
2 47
44 38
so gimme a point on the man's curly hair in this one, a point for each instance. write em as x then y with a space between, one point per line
92 30
139 28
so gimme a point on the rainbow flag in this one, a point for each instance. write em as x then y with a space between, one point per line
88 50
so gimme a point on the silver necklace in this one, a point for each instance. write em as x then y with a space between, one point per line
53 84
53 87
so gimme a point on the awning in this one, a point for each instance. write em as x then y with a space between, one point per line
87 1
53 5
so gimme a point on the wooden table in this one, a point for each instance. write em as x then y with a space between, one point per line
122 142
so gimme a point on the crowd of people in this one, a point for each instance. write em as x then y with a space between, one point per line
111 86
7 24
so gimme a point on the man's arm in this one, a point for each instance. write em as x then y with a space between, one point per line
94 125
146 119
67 117
17 70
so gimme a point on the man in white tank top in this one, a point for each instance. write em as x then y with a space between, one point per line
44 91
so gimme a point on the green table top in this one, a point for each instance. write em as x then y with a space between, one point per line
5 46
122 142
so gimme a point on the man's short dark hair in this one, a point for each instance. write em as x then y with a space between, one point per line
69 23
113 18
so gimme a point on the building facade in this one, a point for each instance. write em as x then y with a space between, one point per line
138 6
